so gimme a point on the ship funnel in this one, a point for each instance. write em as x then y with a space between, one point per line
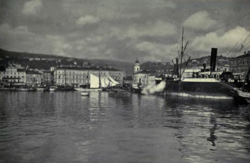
213 59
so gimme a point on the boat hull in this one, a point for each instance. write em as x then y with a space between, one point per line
84 93
88 90
212 90
244 95
40 89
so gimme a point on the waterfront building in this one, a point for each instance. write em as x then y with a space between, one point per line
143 78
48 77
240 65
13 76
33 78
137 66
77 75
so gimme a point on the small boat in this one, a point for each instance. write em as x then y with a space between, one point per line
84 93
31 89
88 89
119 93
52 88
41 88
245 95
22 89
65 88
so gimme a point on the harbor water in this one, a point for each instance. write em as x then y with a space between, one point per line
64 127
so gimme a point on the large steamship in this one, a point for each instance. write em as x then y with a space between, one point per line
202 84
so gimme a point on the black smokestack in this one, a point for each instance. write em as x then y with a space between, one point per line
213 59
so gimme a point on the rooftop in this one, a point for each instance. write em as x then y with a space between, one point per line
32 72
88 68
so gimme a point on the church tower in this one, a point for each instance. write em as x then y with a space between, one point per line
136 66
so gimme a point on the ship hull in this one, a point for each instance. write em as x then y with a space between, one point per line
212 90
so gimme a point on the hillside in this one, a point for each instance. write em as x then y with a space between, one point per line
45 61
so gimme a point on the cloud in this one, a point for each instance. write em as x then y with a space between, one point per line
224 42
14 34
154 29
32 7
160 4
59 45
157 51
22 39
200 21
19 38
119 29
88 19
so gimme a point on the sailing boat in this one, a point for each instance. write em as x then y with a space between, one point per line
96 83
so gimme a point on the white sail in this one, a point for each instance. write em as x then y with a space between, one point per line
105 81
112 81
94 81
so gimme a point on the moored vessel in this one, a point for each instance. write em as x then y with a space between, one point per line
84 93
52 88
198 83
244 95
97 83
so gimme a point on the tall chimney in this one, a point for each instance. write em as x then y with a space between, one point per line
213 59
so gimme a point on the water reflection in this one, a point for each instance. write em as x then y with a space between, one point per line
67 127
212 136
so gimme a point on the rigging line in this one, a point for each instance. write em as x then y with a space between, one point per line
237 46
237 52
233 21
174 47
239 18
174 50
178 51
242 43
231 51
247 43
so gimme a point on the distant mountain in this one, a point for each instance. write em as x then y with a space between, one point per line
26 54
125 66
45 61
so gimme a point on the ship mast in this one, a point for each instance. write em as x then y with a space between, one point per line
182 51
88 75
100 78
65 77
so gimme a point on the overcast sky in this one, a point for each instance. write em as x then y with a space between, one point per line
125 29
